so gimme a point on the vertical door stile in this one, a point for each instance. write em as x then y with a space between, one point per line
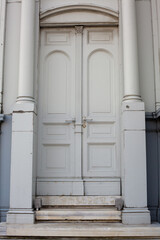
78 82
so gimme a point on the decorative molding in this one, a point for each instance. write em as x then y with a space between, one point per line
79 29
52 16
61 9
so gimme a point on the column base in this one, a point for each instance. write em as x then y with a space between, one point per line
136 216
25 99
21 217
132 98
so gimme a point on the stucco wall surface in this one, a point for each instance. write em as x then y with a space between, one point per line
145 49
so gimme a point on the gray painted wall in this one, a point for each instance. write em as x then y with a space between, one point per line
145 54
153 166
5 156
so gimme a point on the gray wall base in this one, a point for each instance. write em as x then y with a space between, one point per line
3 214
5 159
153 211
158 213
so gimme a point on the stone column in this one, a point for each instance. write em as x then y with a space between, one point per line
133 125
26 64
23 125
130 51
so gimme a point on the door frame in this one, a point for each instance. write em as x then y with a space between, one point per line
111 181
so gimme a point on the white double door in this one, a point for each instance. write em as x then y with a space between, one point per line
78 112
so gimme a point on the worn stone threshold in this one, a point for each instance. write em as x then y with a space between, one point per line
81 230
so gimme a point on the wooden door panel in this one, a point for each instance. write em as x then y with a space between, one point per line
100 105
57 104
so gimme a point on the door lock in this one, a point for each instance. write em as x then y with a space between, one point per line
84 123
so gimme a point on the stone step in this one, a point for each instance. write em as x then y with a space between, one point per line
77 231
3 229
78 200
79 214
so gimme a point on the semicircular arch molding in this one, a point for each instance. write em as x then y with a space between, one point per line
79 14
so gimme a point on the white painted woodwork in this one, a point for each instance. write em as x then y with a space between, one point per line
100 103
68 99
100 214
57 104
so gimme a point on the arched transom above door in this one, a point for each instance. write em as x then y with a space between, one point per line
79 14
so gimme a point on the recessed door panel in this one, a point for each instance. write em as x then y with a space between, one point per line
99 82
58 89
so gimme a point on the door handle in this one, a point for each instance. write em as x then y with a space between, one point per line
73 120
87 119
